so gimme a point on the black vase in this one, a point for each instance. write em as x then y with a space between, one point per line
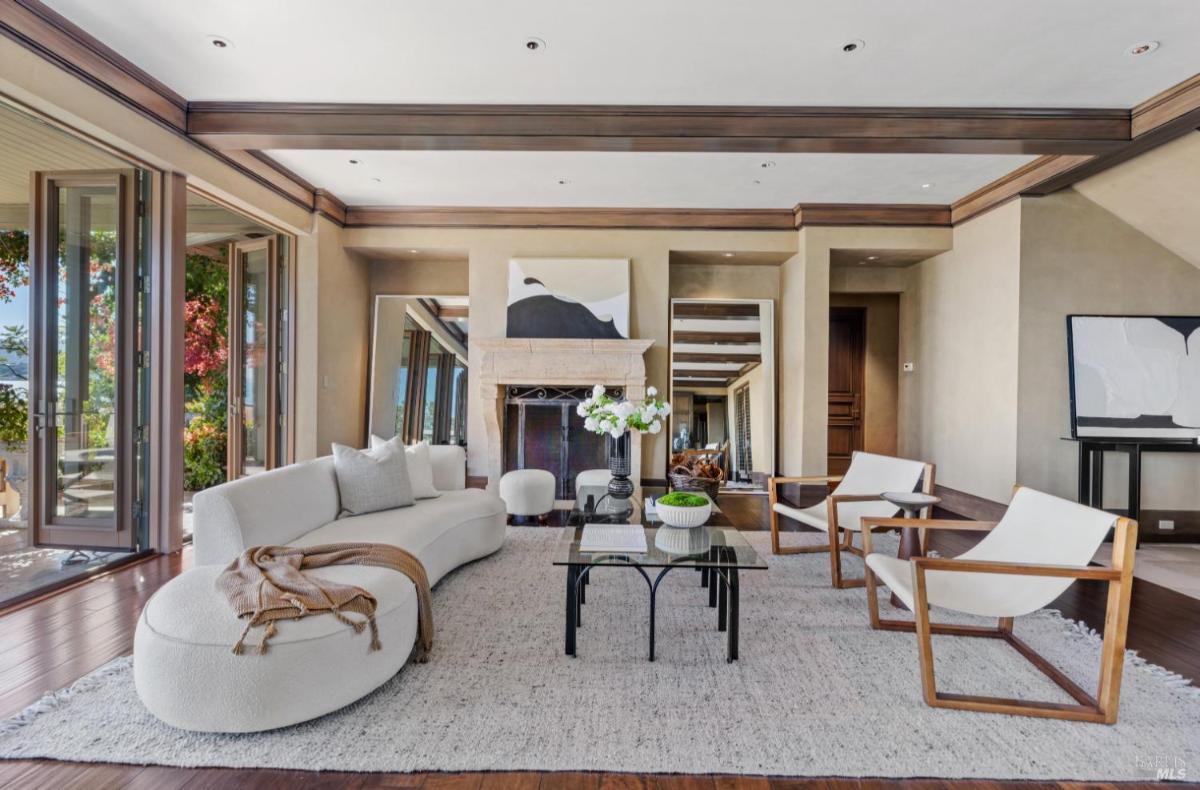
619 486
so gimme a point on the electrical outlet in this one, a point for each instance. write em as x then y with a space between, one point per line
909 367
1166 523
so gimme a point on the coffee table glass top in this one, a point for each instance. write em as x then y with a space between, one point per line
701 547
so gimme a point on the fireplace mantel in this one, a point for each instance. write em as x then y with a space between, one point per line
568 363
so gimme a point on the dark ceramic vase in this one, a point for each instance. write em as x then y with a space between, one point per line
620 486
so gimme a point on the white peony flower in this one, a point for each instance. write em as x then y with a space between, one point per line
597 391
625 409
655 427
664 409
614 433
651 392
582 409
590 424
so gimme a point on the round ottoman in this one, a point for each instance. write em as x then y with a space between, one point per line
527 492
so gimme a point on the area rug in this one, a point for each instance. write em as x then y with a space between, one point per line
816 692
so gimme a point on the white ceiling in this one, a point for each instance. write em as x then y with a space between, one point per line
641 180
1031 53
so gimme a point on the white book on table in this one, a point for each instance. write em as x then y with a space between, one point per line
613 538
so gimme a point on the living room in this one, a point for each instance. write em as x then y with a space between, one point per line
414 375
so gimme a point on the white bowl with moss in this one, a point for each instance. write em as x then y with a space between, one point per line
683 509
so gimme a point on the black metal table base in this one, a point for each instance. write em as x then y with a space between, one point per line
723 595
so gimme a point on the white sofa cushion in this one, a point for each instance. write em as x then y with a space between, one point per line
372 479
266 509
420 467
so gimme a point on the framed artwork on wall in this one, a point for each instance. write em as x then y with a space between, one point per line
568 298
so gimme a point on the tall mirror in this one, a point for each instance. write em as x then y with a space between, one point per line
723 391
419 369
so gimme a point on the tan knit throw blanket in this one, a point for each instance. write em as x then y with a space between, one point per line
269 583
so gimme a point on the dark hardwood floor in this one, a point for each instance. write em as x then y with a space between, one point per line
48 643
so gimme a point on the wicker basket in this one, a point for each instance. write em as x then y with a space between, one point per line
682 479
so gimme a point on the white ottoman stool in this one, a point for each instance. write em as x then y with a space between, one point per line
527 492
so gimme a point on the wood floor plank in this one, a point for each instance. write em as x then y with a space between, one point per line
570 780
511 780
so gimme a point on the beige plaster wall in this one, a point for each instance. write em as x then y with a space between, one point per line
342 342
717 281
958 408
420 278
649 252
1157 194
1077 257
881 367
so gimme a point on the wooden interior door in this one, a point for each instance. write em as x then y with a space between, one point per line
847 354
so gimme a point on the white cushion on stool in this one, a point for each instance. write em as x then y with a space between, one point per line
527 492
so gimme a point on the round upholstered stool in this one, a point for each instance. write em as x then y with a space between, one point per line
528 492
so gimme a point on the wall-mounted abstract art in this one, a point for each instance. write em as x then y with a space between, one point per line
1135 376
568 297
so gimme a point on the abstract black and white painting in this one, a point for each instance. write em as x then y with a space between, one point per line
1135 376
568 297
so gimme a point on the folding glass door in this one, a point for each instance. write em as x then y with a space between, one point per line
88 363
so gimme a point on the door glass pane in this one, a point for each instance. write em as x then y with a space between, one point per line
433 415
84 371
254 360
400 394
282 350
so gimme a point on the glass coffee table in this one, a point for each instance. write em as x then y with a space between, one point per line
717 551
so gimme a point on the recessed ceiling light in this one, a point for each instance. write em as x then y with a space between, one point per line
728 254
860 263
414 252
1142 48
854 45
563 182
534 44
377 180
757 181
927 186
353 161
220 42
872 257
768 163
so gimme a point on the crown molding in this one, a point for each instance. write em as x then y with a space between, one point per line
766 129
817 214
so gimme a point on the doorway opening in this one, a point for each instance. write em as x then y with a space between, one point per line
864 376
237 345
73 368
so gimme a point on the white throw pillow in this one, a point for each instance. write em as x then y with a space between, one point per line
371 480
420 468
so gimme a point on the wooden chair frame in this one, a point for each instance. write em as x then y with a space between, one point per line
835 546
1101 708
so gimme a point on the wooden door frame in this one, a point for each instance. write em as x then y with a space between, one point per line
47 529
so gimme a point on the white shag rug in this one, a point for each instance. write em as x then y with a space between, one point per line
816 692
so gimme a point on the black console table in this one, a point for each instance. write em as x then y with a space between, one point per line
1091 466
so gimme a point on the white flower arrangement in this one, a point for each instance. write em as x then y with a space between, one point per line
603 415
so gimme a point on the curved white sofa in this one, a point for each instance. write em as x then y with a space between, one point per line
184 668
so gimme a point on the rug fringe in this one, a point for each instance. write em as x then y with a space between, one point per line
55 699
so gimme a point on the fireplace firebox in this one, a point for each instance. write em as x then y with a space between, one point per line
543 431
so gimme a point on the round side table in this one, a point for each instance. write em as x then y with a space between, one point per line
912 503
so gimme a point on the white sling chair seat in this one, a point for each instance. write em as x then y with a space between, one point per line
1038 529
868 474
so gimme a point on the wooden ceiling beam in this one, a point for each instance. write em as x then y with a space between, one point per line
635 218
767 129
715 310
683 357
715 338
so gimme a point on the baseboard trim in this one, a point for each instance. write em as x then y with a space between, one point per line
969 506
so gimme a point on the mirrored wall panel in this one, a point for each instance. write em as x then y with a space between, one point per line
723 391
419 369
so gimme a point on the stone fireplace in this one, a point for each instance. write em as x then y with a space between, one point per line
507 362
